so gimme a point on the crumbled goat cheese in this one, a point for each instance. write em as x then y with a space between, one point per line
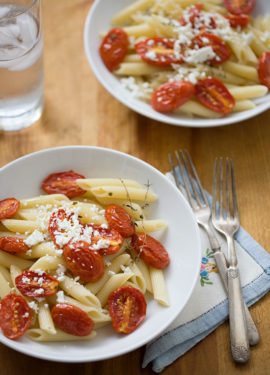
39 291
60 297
35 238
199 56
151 55
33 305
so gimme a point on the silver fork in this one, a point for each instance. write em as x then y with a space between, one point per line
202 211
227 222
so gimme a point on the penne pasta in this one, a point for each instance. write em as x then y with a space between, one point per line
125 14
168 25
79 292
149 226
158 284
38 334
89 183
119 192
45 319
4 285
248 92
67 245
22 226
7 260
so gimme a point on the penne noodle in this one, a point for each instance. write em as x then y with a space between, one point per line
38 334
7 260
243 105
79 292
195 108
89 183
52 199
22 226
124 15
144 270
244 71
119 192
6 274
137 69
4 285
40 250
149 226
248 92
45 319
47 263
159 287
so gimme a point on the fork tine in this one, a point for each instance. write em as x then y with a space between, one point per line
181 169
214 190
221 211
190 179
197 178
234 199
174 172
227 208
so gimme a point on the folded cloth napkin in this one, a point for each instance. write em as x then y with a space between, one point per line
208 305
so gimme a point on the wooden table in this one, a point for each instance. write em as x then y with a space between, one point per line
79 111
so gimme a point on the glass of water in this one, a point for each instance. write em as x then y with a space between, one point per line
21 63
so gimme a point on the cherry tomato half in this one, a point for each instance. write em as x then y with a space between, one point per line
54 227
220 48
158 51
8 207
194 18
241 20
171 95
63 183
107 234
214 95
150 250
239 6
72 319
264 69
15 316
35 284
84 262
127 308
120 220
114 48
13 244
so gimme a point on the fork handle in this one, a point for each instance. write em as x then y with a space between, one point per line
221 262
238 325
253 334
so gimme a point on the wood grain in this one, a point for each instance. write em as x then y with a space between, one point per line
79 111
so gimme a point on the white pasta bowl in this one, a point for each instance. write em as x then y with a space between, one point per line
98 21
22 179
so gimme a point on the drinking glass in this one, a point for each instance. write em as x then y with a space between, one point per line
21 63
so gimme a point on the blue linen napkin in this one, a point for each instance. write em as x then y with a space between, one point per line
208 305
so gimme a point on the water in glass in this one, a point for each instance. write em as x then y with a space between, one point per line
21 67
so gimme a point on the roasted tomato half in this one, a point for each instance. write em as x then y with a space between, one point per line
214 95
150 250
15 316
127 308
114 48
63 183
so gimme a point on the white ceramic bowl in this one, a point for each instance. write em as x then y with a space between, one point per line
22 178
98 20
